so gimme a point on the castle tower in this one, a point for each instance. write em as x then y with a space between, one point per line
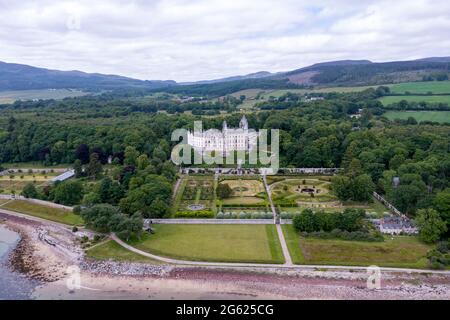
243 124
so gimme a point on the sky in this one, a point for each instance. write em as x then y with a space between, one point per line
190 40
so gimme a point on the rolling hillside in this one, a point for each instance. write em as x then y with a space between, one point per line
22 77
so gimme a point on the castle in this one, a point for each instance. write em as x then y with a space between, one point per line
225 141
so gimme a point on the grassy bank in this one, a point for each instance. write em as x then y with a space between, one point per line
44 212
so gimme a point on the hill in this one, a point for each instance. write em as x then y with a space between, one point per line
23 77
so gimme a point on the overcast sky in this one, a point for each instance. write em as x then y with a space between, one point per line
196 40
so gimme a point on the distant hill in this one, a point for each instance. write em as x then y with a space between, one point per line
255 75
364 72
22 77
325 74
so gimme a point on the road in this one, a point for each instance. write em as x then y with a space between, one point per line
284 248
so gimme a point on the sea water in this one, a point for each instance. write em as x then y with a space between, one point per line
13 285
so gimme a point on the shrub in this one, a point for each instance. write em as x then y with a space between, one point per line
219 215
195 214
76 210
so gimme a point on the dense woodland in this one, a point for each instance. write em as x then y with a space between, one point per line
132 130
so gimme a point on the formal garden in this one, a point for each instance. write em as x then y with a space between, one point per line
195 197
242 197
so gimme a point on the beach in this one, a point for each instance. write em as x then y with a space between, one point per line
51 256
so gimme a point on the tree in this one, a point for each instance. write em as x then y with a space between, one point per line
158 208
78 168
99 217
82 153
107 218
68 192
131 155
430 225
441 204
90 199
142 162
29 191
341 187
362 188
305 221
94 168
224 191
156 189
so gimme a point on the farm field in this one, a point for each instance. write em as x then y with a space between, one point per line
436 116
44 212
110 250
245 192
436 87
430 99
219 243
11 96
398 251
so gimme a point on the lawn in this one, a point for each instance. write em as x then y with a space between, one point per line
219 243
110 250
44 212
399 251
435 87
436 116
430 99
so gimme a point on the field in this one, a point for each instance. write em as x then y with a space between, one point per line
398 251
430 99
11 96
110 250
436 87
245 191
219 243
436 116
16 181
44 212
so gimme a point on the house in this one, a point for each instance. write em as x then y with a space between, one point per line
225 141
395 225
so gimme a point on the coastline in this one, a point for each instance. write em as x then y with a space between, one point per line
49 264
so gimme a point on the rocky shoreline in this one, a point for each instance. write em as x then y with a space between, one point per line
46 251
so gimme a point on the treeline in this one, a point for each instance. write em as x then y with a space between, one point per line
346 225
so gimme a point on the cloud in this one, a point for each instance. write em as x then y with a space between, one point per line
196 40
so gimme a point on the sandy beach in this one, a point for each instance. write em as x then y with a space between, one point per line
39 258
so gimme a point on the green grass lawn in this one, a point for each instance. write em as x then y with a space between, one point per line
399 251
437 116
110 250
218 243
431 99
421 87
44 212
